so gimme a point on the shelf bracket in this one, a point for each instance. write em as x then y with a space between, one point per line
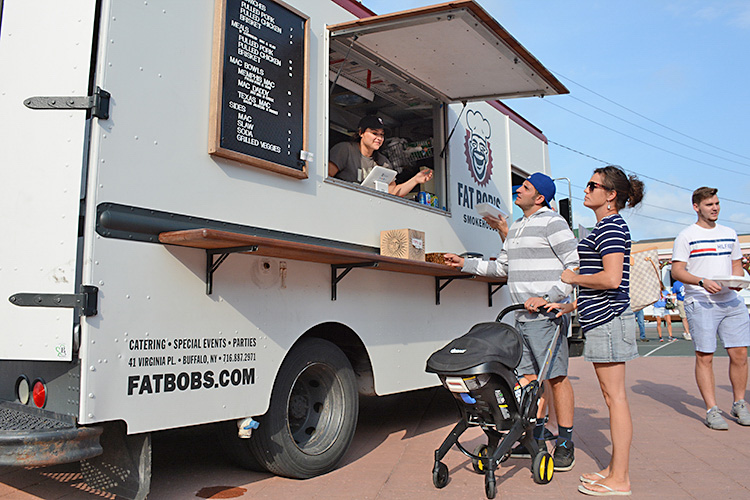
492 291
223 253
336 277
439 286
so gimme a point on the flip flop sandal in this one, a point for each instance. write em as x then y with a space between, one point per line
609 491
590 481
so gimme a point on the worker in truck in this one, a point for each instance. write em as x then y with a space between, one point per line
353 160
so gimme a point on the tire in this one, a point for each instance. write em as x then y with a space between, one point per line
490 486
543 468
313 412
478 465
440 475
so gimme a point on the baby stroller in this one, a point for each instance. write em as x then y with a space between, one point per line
479 370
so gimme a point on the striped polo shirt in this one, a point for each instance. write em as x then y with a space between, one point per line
536 251
598 307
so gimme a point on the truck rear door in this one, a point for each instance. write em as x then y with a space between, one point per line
45 50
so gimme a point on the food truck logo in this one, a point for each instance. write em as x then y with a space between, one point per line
478 152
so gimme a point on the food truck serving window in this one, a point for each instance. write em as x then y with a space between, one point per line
404 67
453 52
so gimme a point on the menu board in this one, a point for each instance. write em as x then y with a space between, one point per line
258 99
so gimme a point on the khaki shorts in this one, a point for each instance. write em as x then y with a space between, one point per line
681 308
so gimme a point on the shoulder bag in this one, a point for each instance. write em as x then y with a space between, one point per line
645 279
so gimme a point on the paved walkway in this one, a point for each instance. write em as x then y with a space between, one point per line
673 454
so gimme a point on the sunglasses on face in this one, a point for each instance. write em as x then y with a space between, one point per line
593 185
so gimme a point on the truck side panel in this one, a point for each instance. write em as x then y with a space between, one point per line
161 352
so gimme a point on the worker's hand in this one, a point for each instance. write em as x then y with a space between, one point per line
568 276
453 260
534 303
500 224
423 176
561 308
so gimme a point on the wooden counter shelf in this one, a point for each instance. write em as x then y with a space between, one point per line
223 243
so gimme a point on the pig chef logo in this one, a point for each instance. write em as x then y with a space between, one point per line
478 152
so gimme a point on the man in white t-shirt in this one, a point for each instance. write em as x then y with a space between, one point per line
702 253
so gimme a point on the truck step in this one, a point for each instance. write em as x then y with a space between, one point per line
32 436
15 417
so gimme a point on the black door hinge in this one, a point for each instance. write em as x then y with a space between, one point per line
86 301
97 103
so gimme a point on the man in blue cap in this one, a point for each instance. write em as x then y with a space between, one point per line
538 247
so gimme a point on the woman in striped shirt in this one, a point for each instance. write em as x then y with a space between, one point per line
604 312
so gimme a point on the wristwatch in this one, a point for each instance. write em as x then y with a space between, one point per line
700 283
546 298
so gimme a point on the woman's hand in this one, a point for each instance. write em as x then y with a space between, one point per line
569 276
423 176
561 308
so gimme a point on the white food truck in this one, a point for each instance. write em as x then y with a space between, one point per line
175 252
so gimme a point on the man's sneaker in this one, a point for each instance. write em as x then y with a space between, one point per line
687 336
564 456
644 339
520 451
741 412
715 421
672 339
661 339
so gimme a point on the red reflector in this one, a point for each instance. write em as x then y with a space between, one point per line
39 393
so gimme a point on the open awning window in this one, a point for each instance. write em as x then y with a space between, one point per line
450 52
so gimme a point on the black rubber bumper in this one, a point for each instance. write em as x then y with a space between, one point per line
32 437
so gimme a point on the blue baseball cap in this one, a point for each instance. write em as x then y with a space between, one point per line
544 186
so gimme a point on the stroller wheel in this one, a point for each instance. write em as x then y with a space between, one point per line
480 465
542 468
440 475
490 487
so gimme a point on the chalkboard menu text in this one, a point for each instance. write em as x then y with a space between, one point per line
258 108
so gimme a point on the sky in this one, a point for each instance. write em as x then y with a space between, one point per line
656 87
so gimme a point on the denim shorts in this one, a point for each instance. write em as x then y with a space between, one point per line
727 319
612 342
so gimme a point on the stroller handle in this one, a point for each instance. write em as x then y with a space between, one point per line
517 307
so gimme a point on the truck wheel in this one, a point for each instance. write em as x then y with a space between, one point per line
312 415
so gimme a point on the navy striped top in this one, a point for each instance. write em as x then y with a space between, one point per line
598 307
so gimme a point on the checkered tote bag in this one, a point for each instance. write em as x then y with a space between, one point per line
645 281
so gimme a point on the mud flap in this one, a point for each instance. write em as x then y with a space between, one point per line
124 469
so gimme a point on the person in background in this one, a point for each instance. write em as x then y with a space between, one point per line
538 247
679 291
703 252
641 321
661 313
606 318
353 160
